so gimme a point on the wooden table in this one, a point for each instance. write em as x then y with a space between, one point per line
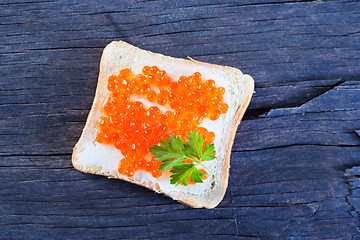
294 162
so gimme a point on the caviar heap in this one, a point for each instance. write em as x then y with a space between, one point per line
132 128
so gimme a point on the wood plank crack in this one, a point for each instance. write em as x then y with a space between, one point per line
323 92
296 145
353 198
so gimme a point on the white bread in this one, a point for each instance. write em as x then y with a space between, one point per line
92 157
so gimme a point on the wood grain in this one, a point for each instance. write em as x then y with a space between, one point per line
294 166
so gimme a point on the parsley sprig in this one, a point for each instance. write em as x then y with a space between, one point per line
174 152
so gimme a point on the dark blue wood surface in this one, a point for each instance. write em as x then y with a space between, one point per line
294 165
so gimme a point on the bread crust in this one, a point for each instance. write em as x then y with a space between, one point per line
100 96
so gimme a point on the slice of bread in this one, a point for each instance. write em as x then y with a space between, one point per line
92 157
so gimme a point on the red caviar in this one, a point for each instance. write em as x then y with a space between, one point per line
132 128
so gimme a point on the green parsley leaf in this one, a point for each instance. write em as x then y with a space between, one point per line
182 171
208 153
170 153
173 152
194 145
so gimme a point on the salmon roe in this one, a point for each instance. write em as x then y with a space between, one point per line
133 129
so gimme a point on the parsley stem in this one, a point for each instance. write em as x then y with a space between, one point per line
198 162
209 170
